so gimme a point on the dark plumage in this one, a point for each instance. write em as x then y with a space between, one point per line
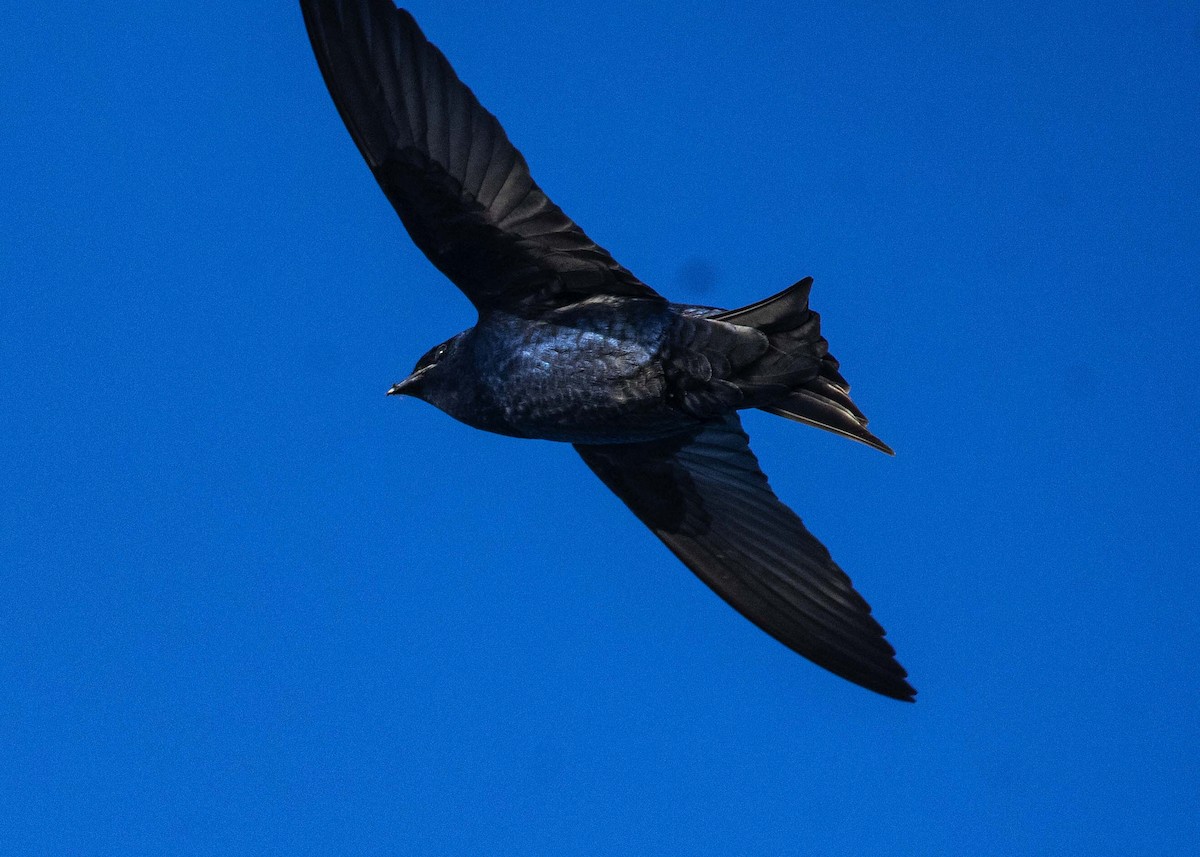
571 346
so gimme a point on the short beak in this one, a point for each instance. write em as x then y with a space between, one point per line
408 385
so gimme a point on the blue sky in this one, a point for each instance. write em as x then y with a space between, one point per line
251 606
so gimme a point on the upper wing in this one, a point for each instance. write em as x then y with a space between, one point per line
706 498
461 188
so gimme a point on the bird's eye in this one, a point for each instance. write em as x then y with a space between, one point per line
439 354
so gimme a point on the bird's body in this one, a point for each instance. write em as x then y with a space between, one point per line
570 346
587 373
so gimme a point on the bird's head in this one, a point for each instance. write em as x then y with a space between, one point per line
431 369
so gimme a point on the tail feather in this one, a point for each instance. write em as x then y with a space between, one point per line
799 358
805 406
784 311
836 390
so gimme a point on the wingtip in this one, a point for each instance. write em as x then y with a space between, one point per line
887 676
895 687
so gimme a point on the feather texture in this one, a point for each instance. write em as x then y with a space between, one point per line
461 188
705 496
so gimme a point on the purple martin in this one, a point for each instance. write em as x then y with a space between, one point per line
571 346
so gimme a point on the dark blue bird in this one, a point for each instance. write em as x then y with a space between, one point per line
570 346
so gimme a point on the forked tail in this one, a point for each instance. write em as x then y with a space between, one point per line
794 332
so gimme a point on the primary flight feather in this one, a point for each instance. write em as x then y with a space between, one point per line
571 346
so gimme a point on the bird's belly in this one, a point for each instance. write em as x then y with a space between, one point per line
582 386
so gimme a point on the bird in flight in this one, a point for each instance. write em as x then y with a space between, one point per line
571 346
